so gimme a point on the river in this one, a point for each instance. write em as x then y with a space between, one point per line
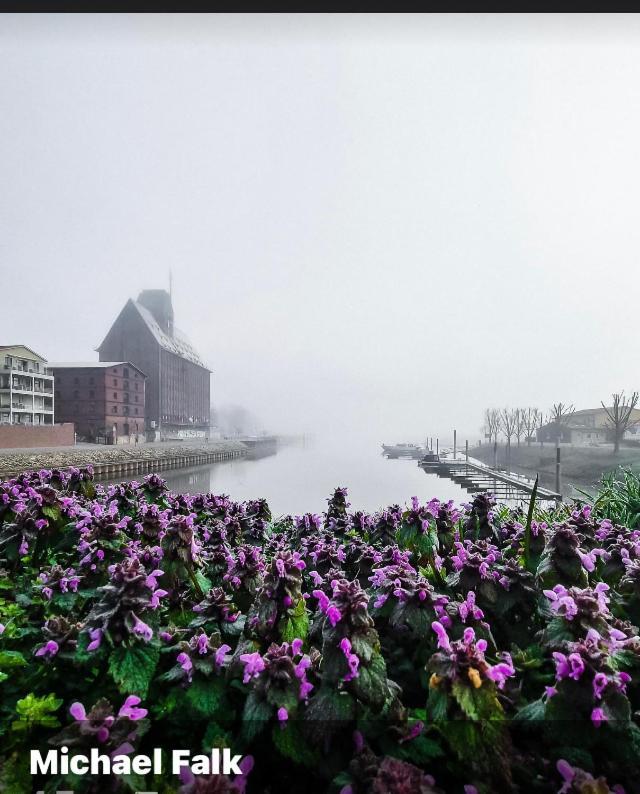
299 479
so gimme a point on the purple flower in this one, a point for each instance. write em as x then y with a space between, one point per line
600 682
283 714
501 671
49 650
129 709
222 651
567 772
598 717
253 666
78 712
2 628
96 639
184 660
443 637
141 628
333 615
203 644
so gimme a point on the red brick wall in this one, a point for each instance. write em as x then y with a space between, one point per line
39 436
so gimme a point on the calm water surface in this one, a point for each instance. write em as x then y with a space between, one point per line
300 479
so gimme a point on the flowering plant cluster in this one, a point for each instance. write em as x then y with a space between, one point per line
430 648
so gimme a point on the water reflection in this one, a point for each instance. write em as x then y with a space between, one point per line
300 479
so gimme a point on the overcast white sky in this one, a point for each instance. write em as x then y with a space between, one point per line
382 224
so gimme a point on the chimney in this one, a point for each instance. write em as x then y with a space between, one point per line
158 302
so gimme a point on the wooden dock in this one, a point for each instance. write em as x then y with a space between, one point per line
475 477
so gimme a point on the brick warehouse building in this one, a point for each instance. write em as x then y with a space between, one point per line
178 393
105 400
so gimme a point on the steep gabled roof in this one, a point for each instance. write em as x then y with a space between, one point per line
178 343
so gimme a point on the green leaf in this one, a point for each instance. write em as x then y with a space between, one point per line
32 710
533 711
290 743
297 624
51 511
464 696
10 659
438 704
256 714
132 668
371 684
527 528
204 696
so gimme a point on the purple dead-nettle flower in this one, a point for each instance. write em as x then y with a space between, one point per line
441 633
353 661
130 709
95 635
561 602
468 608
253 665
221 655
184 660
598 716
49 650
283 714
142 629
571 666
502 670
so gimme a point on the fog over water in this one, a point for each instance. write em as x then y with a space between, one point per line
377 226
300 479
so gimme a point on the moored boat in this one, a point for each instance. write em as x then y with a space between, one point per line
404 450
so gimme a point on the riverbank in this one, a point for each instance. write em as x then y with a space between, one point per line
581 466
108 460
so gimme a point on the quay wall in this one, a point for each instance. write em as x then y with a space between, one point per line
121 461
29 436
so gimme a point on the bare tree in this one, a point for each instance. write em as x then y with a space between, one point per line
531 420
559 416
492 423
508 418
520 428
620 416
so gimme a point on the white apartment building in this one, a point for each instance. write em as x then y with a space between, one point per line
26 387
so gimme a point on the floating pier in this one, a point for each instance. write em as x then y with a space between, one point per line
475 477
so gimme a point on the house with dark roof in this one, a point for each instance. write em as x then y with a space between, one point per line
103 399
177 389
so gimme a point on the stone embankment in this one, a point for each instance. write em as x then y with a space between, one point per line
115 461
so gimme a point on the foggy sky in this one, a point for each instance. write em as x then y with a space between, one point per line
376 225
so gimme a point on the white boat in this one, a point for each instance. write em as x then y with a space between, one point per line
404 450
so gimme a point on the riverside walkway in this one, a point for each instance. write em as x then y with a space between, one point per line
114 461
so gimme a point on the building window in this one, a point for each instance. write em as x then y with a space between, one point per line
115 395
76 394
125 410
76 381
126 397
137 384
115 409
115 381
136 398
92 394
125 372
92 380
115 369
92 408
135 410
126 384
